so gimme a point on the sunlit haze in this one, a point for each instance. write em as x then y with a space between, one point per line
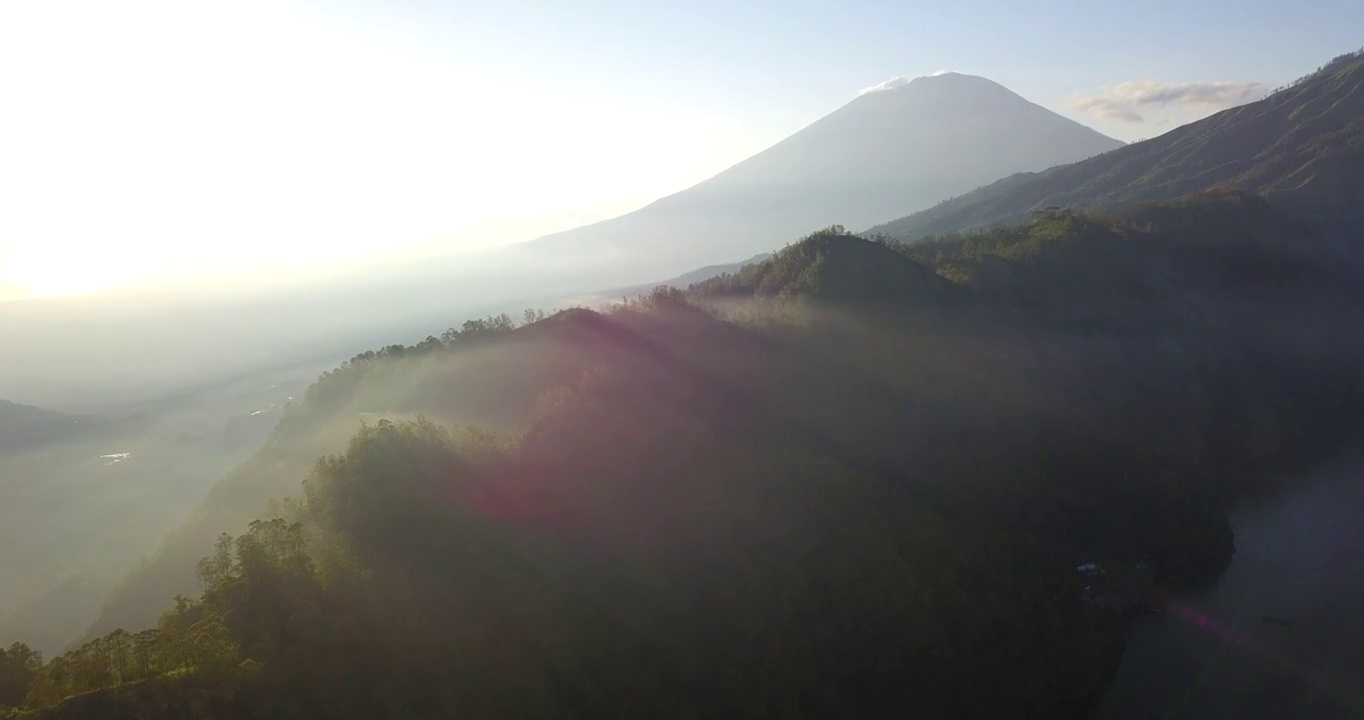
574 359
166 140
147 142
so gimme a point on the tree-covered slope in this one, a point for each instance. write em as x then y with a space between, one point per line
852 480
835 267
457 378
1302 146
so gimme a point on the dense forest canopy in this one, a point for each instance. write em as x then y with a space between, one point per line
865 476
852 479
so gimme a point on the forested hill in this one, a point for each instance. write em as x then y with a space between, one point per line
837 268
1302 146
486 371
25 427
783 493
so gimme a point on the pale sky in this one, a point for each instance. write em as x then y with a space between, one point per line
151 141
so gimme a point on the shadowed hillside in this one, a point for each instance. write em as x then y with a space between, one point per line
24 427
1301 146
820 499
837 268
488 372
860 478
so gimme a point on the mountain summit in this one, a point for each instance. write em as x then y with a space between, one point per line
1302 146
899 147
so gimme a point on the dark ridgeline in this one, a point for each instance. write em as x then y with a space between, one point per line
853 480
24 427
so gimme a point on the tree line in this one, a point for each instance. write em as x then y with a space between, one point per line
784 508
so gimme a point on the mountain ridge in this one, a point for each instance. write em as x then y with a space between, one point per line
1301 146
876 156
688 453
835 267
26 426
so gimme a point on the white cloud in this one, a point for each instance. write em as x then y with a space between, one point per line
1126 101
899 82
1108 109
891 84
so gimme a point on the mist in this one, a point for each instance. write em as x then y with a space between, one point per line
93 353
95 494
152 407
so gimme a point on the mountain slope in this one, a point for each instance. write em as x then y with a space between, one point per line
848 516
490 373
686 279
25 426
882 154
835 267
1302 146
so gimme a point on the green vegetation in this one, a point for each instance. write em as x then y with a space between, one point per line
89 496
853 479
1301 146
485 372
835 267
19 666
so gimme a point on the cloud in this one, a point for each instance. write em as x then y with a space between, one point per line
1125 101
1107 109
1213 94
899 82
891 84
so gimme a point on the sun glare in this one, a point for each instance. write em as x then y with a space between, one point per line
68 285
116 180
51 269
52 282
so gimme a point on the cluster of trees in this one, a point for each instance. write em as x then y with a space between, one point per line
337 386
121 657
692 512
434 376
19 665
648 546
429 573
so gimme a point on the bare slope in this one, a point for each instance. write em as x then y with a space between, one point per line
881 155
1302 146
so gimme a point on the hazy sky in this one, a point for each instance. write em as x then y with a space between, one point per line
144 141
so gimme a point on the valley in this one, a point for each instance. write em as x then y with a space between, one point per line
1070 430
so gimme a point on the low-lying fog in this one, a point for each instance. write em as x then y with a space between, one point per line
146 398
